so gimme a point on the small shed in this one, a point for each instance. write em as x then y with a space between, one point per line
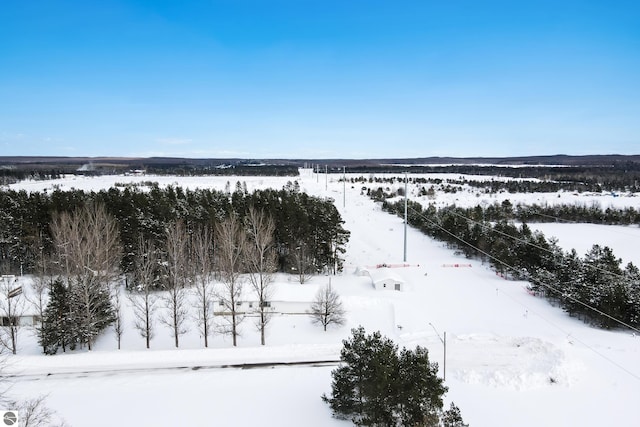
383 278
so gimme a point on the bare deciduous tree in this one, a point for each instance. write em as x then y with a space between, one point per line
261 262
203 264
230 246
143 298
118 326
302 262
177 265
88 242
89 252
327 307
11 309
42 280
35 413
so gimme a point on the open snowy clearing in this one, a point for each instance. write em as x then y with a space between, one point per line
512 359
617 237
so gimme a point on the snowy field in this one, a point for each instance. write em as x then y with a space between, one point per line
512 359
582 236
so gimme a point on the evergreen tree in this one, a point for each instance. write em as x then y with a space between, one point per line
420 389
91 310
377 386
55 331
570 281
603 288
632 309
452 417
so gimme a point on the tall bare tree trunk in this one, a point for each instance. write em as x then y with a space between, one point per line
143 299
261 262
177 278
42 280
230 246
12 308
302 261
203 264
118 325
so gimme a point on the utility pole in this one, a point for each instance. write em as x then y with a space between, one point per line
344 186
325 177
405 217
444 343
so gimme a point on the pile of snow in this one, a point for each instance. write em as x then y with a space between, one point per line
517 363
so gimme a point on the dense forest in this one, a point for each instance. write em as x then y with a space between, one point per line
304 223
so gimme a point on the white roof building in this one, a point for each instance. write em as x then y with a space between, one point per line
383 278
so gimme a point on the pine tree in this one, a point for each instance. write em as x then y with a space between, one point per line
420 390
354 382
452 417
55 331
377 386
604 289
91 310
632 306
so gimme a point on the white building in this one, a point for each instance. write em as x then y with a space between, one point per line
277 307
382 278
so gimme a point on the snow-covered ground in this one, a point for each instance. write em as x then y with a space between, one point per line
512 359
581 237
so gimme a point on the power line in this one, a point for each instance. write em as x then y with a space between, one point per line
613 362
483 225
535 280
594 350
603 356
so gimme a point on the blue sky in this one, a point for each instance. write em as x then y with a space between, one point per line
319 79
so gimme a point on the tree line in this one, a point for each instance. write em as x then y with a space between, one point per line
506 210
10 175
493 186
309 236
614 176
238 169
597 280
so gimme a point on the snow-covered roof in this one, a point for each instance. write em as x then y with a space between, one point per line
380 274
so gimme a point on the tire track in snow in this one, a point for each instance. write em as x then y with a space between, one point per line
127 371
